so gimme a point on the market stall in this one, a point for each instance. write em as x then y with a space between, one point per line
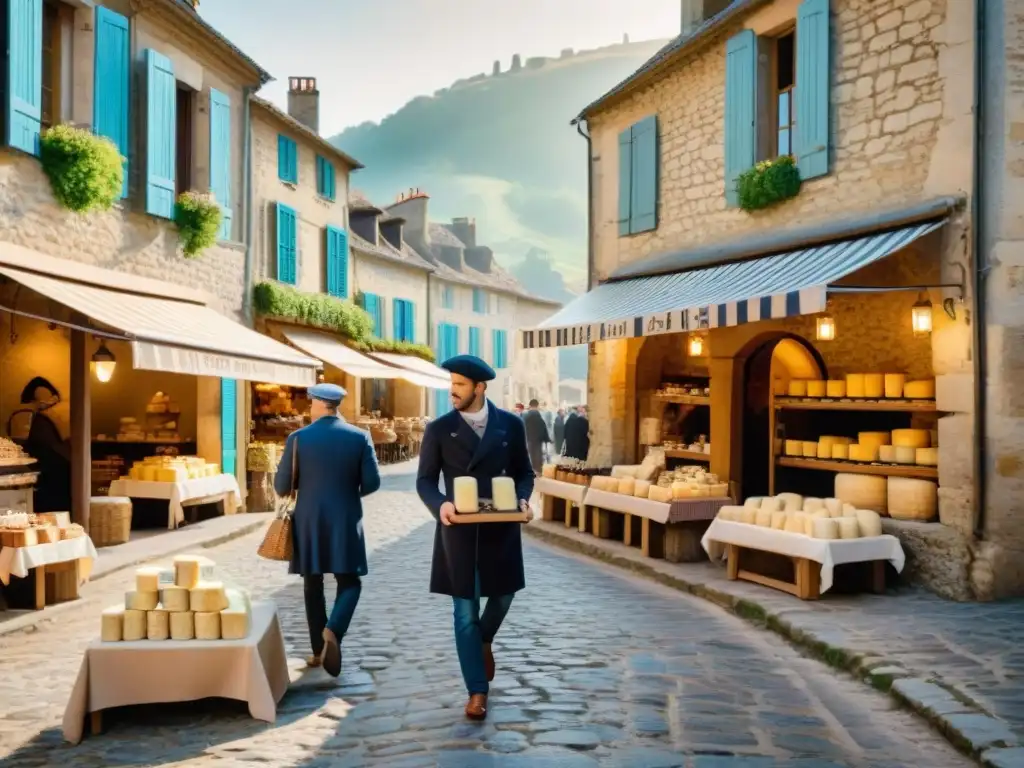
57 551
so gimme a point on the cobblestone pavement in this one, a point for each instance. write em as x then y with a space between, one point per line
594 668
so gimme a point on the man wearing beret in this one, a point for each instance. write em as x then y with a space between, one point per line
478 560
335 466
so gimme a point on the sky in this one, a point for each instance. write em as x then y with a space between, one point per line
372 56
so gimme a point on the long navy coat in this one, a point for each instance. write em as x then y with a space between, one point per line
452 449
336 468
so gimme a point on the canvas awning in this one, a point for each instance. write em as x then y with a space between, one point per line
439 378
787 284
174 335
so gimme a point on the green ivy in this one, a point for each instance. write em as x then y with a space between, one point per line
767 183
198 217
396 347
86 171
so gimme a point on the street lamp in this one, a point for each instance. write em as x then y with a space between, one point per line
921 316
103 364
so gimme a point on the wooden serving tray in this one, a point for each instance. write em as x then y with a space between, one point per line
492 517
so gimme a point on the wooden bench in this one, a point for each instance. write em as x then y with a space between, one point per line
806 581
559 500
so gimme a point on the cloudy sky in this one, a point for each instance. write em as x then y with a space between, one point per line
371 56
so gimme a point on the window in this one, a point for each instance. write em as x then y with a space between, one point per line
404 325
337 262
479 301
638 177
447 297
50 113
500 349
474 341
287 241
324 178
183 144
784 62
287 159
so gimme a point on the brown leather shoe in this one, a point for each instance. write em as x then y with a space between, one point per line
488 661
331 656
476 707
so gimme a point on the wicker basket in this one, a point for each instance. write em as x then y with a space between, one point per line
110 520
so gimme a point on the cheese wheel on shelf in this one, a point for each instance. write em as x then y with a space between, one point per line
912 499
112 625
887 454
809 519
147 579
848 527
749 516
141 601
681 490
833 506
658 493
861 452
778 520
208 597
810 449
753 501
841 451
894 384
926 457
641 488
158 625
812 504
794 447
855 385
905 455
919 390
183 626
174 599
874 438
869 523
825 528
763 518
207 625
771 504
134 625
815 388
861 491
626 486
835 388
236 619
911 438
874 385
798 388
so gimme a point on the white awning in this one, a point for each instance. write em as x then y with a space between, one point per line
435 377
174 335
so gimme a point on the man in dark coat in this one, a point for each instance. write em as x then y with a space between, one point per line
577 435
335 467
536 435
559 431
476 560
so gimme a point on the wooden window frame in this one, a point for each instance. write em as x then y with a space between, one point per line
184 145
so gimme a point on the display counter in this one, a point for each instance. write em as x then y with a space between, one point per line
219 489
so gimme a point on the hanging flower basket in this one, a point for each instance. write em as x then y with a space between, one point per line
767 183
198 217
86 171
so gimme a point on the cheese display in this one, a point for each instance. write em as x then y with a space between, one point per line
835 388
919 390
189 570
848 527
147 580
207 626
810 449
763 518
141 601
863 452
158 625
840 451
791 502
182 625
778 520
794 447
235 619
894 383
855 385
912 499
833 506
112 625
172 469
911 438
503 494
815 388
926 457
174 599
874 385
862 491
134 626
869 523
825 528
465 495
874 439
208 597
641 488
797 388
627 486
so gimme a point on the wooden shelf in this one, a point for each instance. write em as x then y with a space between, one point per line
679 453
685 399
858 468
816 404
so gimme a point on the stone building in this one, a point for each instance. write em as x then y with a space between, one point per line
172 94
873 101
474 305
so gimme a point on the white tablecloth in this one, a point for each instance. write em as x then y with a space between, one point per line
657 511
179 494
17 561
560 490
254 670
828 552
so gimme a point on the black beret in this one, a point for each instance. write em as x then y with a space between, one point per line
470 366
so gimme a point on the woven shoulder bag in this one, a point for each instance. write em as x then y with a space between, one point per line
277 543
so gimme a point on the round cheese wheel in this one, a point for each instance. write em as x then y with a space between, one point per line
627 485
771 504
873 438
730 514
815 388
642 488
874 385
861 491
887 454
855 385
905 455
911 438
810 449
753 501
809 519
869 523
911 499
681 490
763 518
158 625
919 390
794 447
778 521
841 451
894 384
926 457
749 516
867 453
825 528
798 388
848 527
812 504
796 522
835 388
833 506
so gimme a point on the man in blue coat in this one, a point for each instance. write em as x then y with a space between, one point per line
482 559
335 467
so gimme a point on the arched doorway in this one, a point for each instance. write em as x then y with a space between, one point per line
769 363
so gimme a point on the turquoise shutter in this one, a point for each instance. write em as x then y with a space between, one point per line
410 321
287 159
24 74
371 303
161 101
474 341
229 426
337 262
625 179
740 109
324 178
643 214
220 157
287 267
398 320
111 82
813 63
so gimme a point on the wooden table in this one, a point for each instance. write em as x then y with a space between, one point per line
559 499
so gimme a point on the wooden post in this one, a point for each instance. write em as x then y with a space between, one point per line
582 527
627 534
645 537
878 577
733 561
81 428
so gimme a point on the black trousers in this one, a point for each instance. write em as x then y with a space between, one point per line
349 587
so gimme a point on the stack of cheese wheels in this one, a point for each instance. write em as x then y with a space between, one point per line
805 516
862 491
183 602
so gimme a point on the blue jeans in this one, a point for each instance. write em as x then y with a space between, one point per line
349 587
472 630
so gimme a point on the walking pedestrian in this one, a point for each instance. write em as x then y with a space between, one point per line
559 431
335 466
536 435
473 561
577 434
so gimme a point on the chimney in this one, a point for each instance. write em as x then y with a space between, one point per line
465 229
304 102
696 12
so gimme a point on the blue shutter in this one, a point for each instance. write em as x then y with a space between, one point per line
410 321
643 214
397 320
324 178
474 341
287 159
228 426
161 103
625 179
220 157
740 109
287 266
372 305
24 74
811 145
111 92
337 262
498 341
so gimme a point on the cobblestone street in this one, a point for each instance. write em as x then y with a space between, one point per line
594 668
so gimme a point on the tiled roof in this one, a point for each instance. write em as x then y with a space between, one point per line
441 235
193 15
311 135
357 201
671 52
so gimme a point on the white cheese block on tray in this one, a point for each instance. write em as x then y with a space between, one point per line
134 625
158 625
175 599
208 597
182 625
207 625
147 579
189 570
112 624
141 601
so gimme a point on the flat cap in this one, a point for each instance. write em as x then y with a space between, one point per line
470 366
329 393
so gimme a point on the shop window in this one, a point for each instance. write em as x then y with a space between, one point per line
183 146
783 82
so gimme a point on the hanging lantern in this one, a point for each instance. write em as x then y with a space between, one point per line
826 328
696 346
921 316
103 364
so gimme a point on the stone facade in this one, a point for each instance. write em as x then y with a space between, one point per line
901 131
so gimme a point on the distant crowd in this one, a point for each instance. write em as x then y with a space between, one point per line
549 433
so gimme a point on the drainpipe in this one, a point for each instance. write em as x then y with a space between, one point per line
979 233
590 203
247 232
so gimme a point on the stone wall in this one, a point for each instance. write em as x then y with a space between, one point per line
390 281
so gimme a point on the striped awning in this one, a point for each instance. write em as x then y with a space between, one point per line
768 288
